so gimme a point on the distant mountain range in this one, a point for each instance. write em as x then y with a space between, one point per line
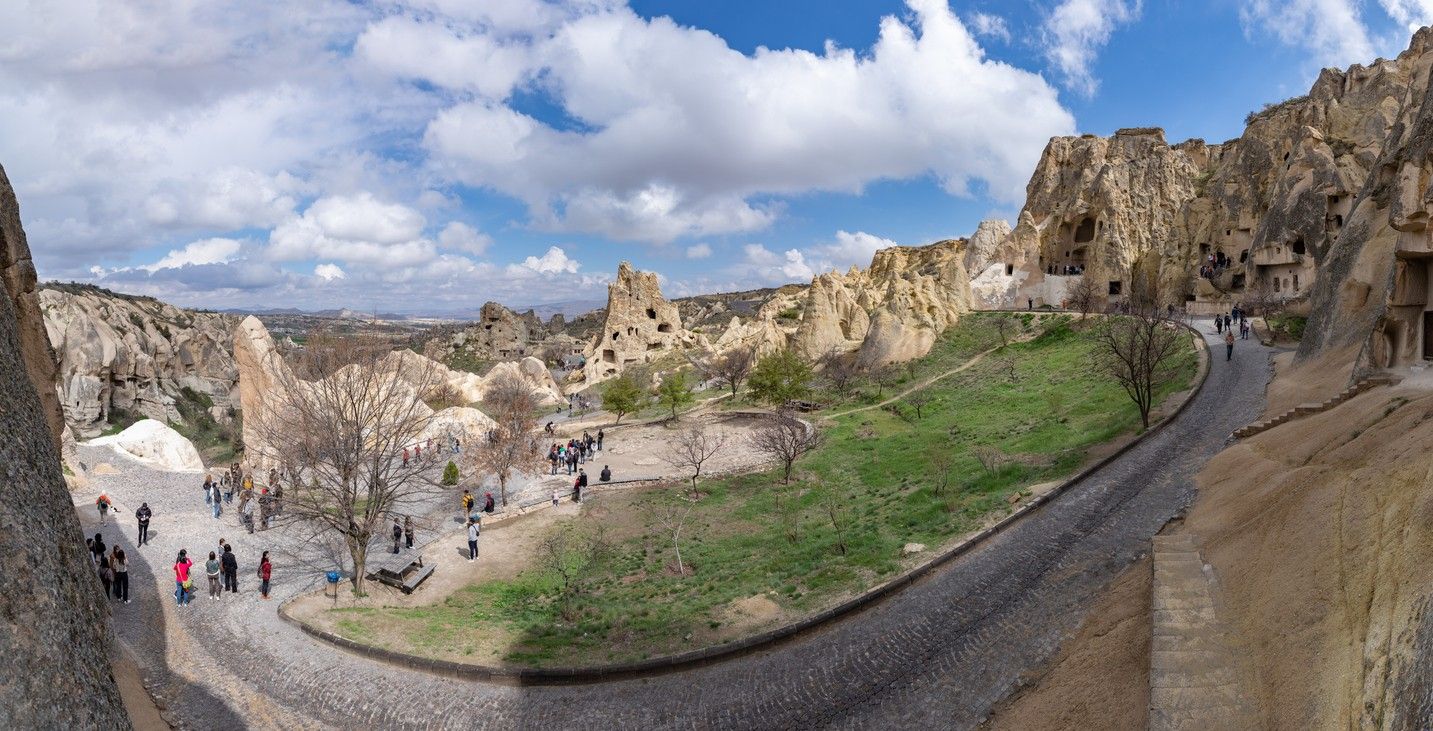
567 309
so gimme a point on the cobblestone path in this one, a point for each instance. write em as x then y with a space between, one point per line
936 655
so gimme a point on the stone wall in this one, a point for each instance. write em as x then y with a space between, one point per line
56 673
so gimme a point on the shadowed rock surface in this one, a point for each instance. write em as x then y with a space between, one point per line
57 670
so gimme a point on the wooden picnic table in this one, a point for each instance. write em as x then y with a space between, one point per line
403 571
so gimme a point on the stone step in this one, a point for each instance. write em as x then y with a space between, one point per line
1194 677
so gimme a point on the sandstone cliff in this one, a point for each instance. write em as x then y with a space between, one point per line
639 327
120 354
499 335
57 673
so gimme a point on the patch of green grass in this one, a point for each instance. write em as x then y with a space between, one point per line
217 443
750 535
1291 326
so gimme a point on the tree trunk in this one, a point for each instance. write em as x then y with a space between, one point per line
359 553
503 489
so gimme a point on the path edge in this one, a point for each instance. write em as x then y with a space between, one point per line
765 640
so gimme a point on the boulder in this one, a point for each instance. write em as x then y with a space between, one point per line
156 444
462 422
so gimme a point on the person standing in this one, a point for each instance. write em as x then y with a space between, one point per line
102 504
266 572
473 532
467 504
208 488
246 510
119 563
577 486
600 435
182 584
555 497
397 534
1218 323
106 570
143 515
218 499
1030 304
212 568
1229 345
229 564
408 530
97 549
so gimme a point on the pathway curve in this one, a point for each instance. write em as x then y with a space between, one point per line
939 654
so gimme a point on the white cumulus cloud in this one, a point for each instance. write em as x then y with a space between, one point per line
1331 30
1076 30
459 236
205 251
554 261
329 272
989 25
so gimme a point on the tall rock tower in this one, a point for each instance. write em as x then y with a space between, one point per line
57 670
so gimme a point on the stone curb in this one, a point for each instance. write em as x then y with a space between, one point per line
755 643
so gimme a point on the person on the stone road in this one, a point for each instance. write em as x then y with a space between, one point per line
266 572
106 572
102 504
143 515
606 475
97 548
229 565
1218 323
212 568
1243 330
119 562
1229 345
397 534
408 530
182 583
246 509
208 488
218 501
578 484
473 531
600 435
467 504
555 497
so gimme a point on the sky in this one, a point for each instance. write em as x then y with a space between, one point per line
425 156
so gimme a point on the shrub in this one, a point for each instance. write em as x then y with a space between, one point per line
450 474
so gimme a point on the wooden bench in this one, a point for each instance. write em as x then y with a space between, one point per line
403 572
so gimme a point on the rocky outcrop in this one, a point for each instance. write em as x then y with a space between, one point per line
501 334
120 354
56 619
263 375
639 326
155 444
17 275
470 388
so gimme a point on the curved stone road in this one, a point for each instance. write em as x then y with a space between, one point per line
939 654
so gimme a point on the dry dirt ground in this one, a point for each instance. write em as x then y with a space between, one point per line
1320 534
1101 681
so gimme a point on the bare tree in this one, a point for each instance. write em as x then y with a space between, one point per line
991 458
1002 327
572 556
785 439
729 369
672 512
553 353
693 450
918 400
512 447
840 369
1082 295
1008 364
1265 300
1140 351
343 414
837 505
942 463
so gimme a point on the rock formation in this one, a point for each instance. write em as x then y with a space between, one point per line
124 354
501 334
155 444
262 376
17 275
55 638
640 326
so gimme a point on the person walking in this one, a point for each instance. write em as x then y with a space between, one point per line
1218 323
1229 345
119 564
143 515
408 530
266 573
182 584
474 530
229 564
1243 330
102 504
212 567
397 534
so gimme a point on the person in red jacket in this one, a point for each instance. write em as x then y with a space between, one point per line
266 572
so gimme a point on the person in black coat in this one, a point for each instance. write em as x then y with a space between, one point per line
143 515
397 534
229 566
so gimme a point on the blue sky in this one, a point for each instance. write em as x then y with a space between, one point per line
428 155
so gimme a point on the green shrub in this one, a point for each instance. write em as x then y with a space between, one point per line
450 474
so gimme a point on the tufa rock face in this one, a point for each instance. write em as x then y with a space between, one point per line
134 354
262 375
640 325
56 619
17 275
156 444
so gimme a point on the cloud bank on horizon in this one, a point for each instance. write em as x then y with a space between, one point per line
425 155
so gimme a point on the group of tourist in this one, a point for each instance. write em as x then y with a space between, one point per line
415 453
112 567
1226 323
1214 264
222 572
575 452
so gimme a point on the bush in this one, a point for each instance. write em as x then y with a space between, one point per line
450 474
623 396
780 377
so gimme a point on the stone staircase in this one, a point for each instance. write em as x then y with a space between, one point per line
1194 681
1303 410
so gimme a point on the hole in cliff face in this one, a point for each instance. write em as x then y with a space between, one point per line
1009 270
616 335
665 327
609 356
1238 281
1116 288
654 346
1299 246
651 314
1085 232
1243 256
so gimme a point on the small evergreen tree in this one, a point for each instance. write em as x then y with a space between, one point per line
450 474
623 396
780 377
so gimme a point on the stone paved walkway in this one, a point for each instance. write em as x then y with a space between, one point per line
936 655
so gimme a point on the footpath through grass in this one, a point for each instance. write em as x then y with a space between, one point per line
765 553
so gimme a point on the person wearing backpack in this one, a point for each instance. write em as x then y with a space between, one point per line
474 530
468 503
266 572
103 505
182 584
229 564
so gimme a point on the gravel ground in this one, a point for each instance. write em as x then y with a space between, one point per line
937 655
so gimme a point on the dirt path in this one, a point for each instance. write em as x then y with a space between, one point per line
923 384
